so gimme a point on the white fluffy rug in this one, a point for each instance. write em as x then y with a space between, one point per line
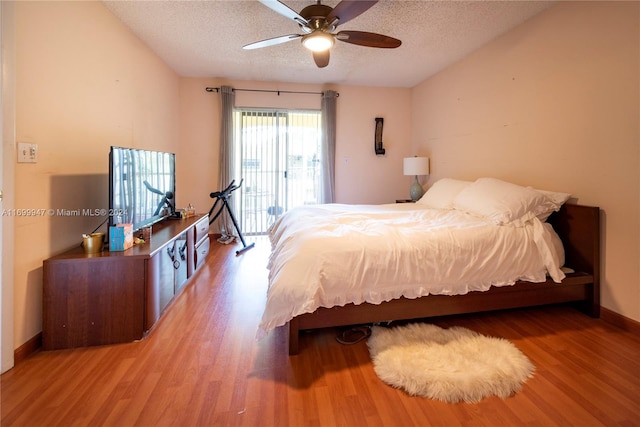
451 365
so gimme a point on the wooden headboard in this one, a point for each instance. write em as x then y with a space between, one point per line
578 226
579 229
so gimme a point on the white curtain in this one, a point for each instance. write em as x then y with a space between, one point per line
328 146
227 156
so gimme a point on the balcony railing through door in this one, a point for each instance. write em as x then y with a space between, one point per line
278 154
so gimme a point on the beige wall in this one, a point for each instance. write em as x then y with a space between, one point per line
83 83
553 104
361 176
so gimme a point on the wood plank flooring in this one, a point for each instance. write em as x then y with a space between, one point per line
202 366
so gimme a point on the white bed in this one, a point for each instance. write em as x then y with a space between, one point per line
461 237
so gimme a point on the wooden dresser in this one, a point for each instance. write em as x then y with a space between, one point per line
116 297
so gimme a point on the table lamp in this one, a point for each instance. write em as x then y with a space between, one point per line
416 166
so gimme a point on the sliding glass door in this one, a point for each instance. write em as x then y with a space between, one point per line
279 153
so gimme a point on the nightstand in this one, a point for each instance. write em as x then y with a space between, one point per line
405 201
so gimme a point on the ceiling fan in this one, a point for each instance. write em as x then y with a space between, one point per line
318 21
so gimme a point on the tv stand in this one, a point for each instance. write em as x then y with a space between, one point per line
117 297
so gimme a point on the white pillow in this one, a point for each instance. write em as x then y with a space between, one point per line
502 202
557 199
442 193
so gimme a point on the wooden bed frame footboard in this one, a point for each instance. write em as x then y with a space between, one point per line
579 228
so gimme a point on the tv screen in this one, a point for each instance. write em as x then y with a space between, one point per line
141 186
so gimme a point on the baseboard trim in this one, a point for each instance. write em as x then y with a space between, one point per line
620 321
27 349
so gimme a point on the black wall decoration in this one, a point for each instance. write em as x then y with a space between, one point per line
377 144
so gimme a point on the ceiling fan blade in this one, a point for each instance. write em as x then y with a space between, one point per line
346 10
284 10
321 58
271 42
363 38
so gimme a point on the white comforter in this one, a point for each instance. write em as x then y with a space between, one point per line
331 255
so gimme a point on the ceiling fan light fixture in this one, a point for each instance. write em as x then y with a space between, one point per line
318 41
318 23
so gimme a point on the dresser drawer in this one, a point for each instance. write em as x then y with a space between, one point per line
202 249
202 229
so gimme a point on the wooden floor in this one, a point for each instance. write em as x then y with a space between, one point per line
202 366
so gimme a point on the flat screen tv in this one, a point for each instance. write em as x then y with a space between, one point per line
142 185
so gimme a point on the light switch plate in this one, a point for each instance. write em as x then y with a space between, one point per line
27 153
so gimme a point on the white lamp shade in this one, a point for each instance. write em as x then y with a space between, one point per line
416 166
318 41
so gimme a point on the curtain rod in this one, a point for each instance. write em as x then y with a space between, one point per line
217 89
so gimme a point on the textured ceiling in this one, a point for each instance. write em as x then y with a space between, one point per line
205 38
